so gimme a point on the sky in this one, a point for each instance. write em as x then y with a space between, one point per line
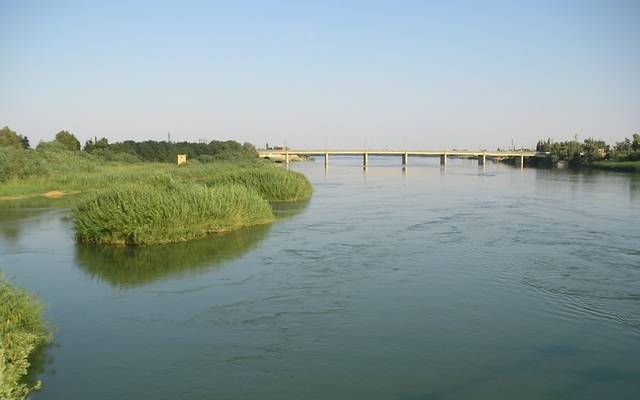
325 74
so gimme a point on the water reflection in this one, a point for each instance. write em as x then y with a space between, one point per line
13 222
18 216
39 361
10 226
634 187
288 210
128 266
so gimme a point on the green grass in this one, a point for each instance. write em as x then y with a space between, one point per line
22 332
275 184
623 166
164 210
272 182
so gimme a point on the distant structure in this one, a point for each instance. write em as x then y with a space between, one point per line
182 159
267 147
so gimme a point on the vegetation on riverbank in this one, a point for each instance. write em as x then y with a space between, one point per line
276 185
621 166
126 194
591 153
165 210
22 332
53 166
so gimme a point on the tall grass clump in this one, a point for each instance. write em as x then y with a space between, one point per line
163 210
275 184
22 332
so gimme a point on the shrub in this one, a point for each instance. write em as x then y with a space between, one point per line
22 332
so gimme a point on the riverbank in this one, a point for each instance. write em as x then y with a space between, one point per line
79 177
154 203
621 166
23 331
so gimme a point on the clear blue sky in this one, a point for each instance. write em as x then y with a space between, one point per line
389 74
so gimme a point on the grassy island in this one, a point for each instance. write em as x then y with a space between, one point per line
167 211
22 332
181 204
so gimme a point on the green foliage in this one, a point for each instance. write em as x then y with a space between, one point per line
164 210
275 184
92 145
19 164
577 154
627 150
9 138
22 332
162 151
68 140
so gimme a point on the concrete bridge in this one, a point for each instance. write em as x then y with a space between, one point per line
289 154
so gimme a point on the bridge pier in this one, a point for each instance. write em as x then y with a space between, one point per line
286 158
405 159
482 159
520 161
326 160
365 159
443 159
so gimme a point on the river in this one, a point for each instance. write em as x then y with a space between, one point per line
428 283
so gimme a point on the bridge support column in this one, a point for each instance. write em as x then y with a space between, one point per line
520 161
286 158
405 159
326 160
365 159
482 159
443 159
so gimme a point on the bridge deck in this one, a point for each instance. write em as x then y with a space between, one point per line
468 153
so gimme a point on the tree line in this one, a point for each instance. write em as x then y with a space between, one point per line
19 160
584 153
149 150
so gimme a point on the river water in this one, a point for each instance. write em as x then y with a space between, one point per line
428 283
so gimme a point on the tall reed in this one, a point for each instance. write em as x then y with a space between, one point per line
275 184
164 210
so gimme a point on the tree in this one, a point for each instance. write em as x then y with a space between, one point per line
68 140
97 144
11 139
25 142
635 145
